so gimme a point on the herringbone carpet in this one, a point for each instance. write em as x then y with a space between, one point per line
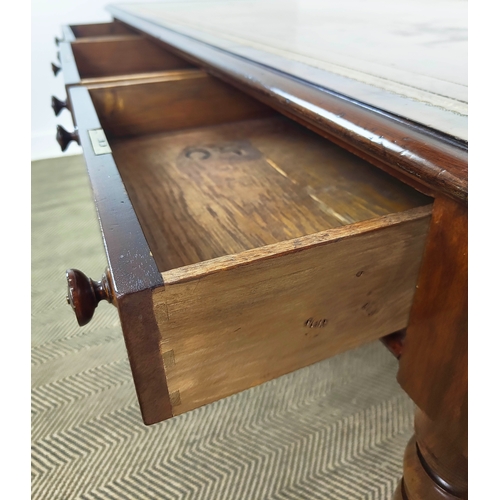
335 430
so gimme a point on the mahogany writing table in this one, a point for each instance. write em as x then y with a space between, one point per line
276 183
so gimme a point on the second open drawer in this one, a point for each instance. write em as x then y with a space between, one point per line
95 30
241 245
125 56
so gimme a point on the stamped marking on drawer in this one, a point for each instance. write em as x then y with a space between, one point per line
99 142
370 308
312 323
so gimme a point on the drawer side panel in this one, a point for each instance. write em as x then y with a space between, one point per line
230 327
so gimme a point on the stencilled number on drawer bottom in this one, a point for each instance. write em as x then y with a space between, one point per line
234 151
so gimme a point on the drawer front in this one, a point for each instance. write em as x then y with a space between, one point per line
133 274
240 246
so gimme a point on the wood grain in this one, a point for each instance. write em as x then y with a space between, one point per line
126 55
220 190
231 325
176 102
142 337
425 159
433 366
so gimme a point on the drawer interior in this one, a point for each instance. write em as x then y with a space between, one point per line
122 55
100 30
212 172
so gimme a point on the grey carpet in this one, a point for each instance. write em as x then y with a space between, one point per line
335 430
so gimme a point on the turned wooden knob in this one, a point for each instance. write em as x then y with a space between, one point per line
58 105
84 294
63 137
55 69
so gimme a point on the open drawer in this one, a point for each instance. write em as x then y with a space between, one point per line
95 30
241 245
122 57
127 56
91 32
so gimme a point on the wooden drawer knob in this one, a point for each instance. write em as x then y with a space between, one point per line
55 69
58 105
63 137
84 294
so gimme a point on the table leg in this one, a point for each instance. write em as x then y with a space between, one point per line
434 469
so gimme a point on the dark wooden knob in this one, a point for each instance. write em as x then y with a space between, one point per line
63 137
84 294
57 40
55 69
58 105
